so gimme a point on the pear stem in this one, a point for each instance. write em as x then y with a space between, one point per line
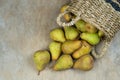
38 73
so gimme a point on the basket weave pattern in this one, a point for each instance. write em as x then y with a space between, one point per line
96 12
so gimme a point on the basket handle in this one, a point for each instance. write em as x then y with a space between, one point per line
103 50
72 22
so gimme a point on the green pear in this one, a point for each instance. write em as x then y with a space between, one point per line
64 62
84 63
57 35
90 28
83 50
70 46
100 33
91 38
55 49
41 59
81 25
71 33
67 16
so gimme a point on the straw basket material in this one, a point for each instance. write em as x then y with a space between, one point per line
97 12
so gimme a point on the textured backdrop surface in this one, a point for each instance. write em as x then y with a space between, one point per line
25 27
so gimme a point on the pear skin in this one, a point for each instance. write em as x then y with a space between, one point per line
64 62
90 28
71 33
81 25
41 59
55 49
91 38
85 49
67 16
57 35
100 33
70 46
84 63
63 8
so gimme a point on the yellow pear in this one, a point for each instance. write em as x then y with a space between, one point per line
70 46
57 35
100 33
64 62
71 33
41 59
67 16
55 49
63 8
83 50
90 28
84 63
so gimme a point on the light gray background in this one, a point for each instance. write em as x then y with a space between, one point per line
25 27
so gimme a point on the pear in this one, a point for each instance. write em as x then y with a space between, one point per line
64 62
100 33
64 8
57 35
90 28
85 49
84 63
41 59
91 38
55 49
81 25
70 46
71 33
67 16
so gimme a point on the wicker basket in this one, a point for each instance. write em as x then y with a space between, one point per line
97 12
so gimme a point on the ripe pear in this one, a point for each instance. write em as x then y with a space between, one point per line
55 49
90 28
64 62
71 33
100 33
81 25
41 59
63 8
91 38
67 16
84 63
70 46
57 35
83 50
